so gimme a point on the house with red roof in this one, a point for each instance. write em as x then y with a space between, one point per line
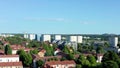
10 61
42 52
60 64
15 48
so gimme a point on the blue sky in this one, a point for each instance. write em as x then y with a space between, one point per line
60 16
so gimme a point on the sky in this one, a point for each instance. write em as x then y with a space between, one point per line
60 16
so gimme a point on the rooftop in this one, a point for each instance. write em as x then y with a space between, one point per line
11 64
3 56
60 62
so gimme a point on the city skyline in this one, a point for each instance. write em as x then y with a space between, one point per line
60 16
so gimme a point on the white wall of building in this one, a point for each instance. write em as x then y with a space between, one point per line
14 52
77 39
113 41
6 35
73 38
47 38
9 59
57 37
30 36
80 39
26 36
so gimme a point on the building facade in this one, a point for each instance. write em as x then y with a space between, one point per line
113 41
30 36
60 64
58 37
10 61
46 38
77 39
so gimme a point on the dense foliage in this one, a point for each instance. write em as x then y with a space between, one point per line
8 50
26 58
16 40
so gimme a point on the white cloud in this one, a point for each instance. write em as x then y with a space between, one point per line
46 19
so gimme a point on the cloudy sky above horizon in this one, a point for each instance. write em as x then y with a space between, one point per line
60 16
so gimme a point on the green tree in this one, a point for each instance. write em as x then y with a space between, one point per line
66 50
83 61
39 63
33 43
99 50
78 66
110 64
79 47
8 50
55 58
25 58
49 49
35 51
70 56
63 58
28 60
110 55
92 60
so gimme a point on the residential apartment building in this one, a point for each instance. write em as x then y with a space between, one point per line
46 37
61 37
60 64
58 37
6 35
30 36
77 39
113 41
10 61
9 58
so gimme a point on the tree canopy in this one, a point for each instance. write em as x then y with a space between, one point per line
8 50
110 64
26 58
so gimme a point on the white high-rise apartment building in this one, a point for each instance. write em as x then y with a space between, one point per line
57 37
30 36
113 41
80 39
73 38
46 38
77 39
26 36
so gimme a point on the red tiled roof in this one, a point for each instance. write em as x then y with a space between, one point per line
36 57
17 47
43 51
2 52
9 56
60 62
11 64
100 54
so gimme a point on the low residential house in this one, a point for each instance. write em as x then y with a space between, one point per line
10 61
60 64
9 58
15 48
11 65
2 52
99 57
57 51
5 43
41 53
37 57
